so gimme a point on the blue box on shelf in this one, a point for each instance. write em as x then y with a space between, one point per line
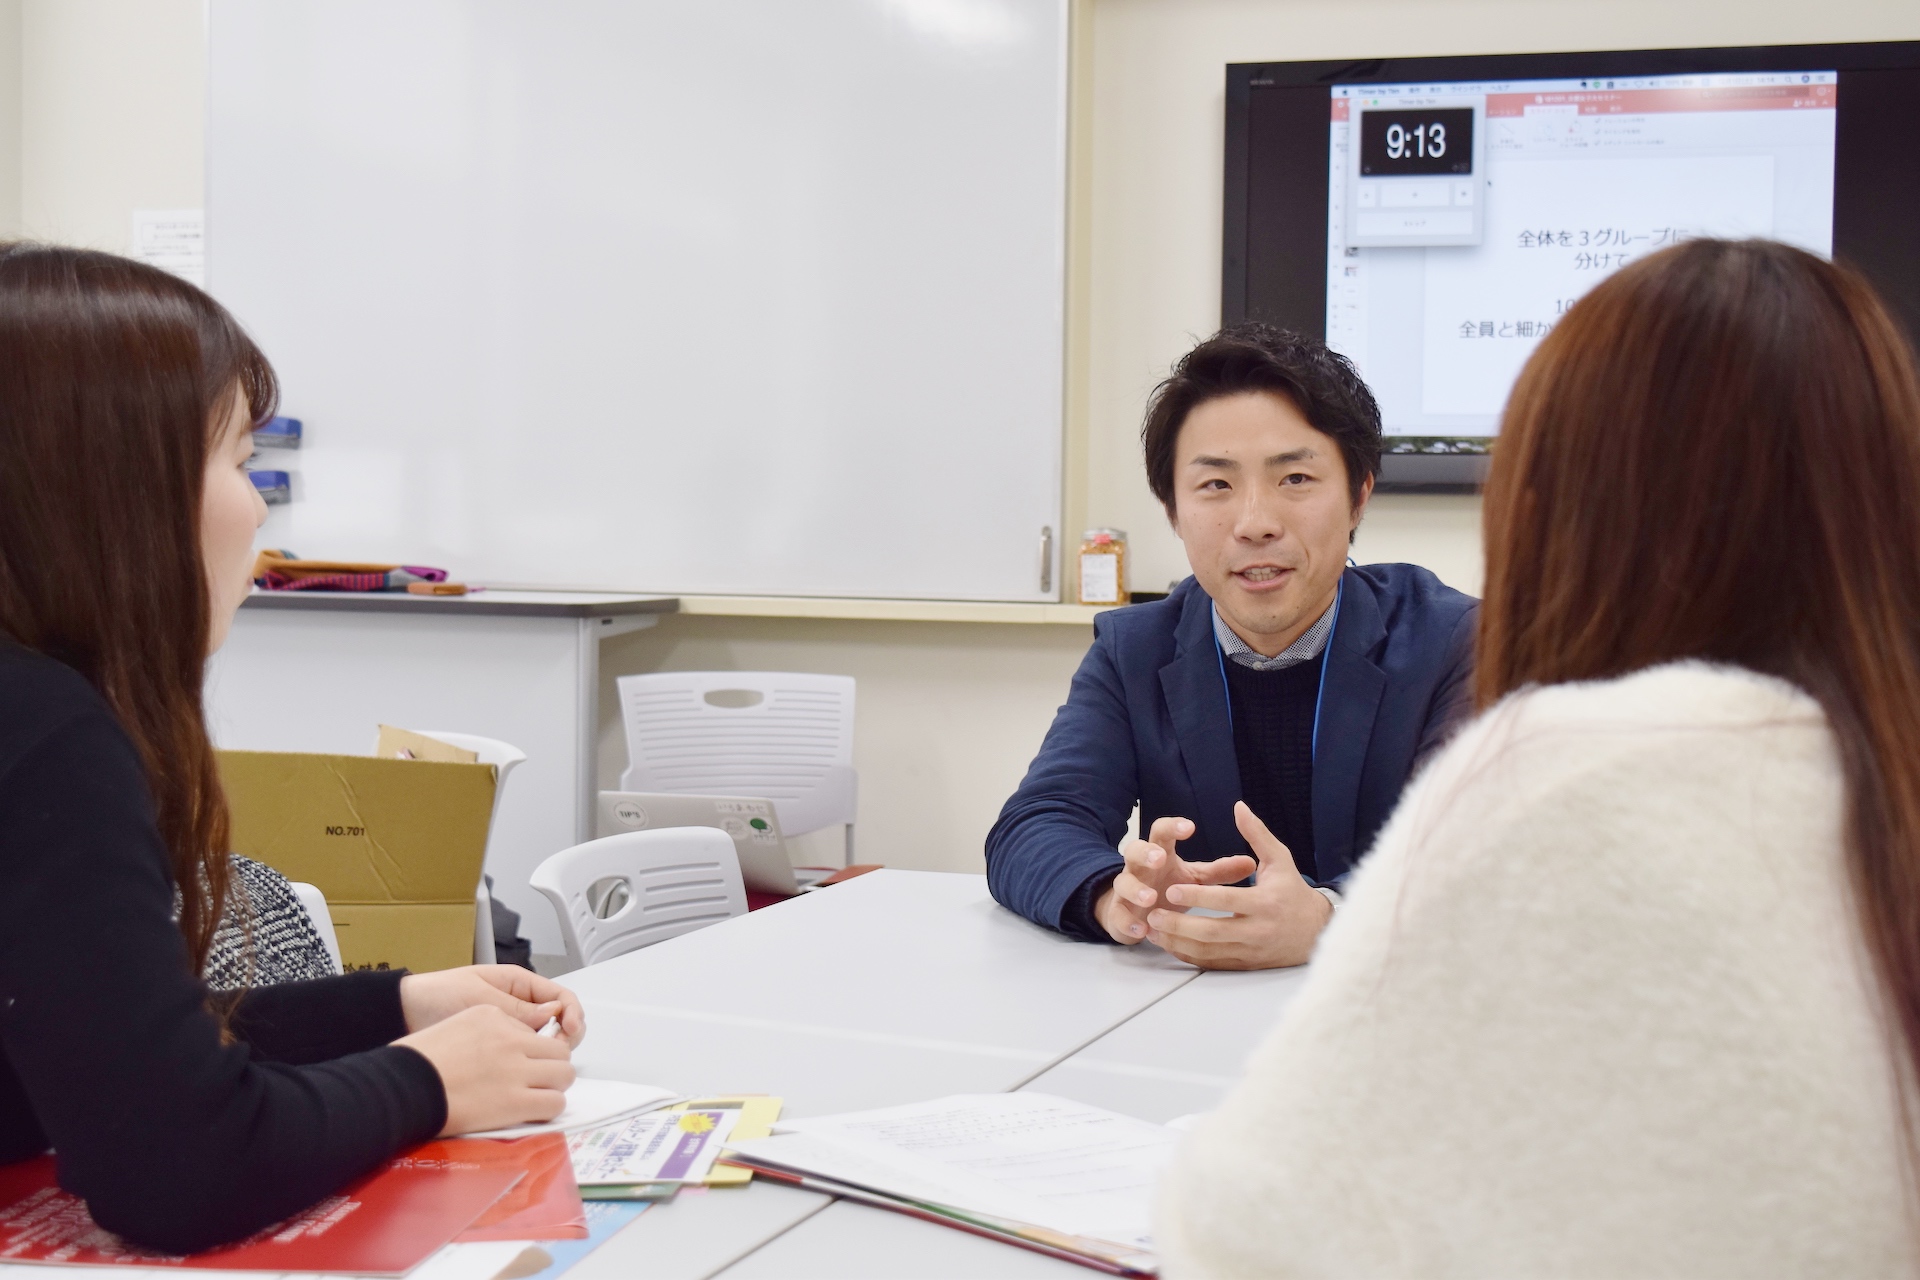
274 486
278 433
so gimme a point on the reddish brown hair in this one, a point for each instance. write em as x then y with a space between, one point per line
1717 455
114 378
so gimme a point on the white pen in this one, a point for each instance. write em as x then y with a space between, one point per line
551 1029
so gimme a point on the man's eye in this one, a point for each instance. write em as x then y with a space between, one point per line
1217 486
1297 477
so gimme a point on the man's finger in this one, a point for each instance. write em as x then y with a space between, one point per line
1221 870
1214 897
1273 855
1167 832
1202 955
1175 924
1132 891
1144 859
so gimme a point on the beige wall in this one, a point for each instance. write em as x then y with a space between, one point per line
112 105
10 94
947 714
101 113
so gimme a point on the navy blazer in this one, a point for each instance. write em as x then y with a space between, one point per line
1146 721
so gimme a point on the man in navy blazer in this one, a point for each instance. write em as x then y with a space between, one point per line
1267 714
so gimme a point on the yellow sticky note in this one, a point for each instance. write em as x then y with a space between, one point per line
757 1114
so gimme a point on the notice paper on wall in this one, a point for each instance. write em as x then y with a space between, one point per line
174 240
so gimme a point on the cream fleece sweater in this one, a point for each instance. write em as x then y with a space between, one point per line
1597 1005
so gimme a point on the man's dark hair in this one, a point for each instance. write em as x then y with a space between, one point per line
1320 382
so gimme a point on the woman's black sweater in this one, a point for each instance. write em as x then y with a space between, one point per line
110 1057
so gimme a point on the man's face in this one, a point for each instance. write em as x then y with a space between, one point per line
1260 500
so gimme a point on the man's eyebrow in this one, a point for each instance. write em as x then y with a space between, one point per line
1208 460
1292 456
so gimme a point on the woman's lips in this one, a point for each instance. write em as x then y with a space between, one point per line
1272 578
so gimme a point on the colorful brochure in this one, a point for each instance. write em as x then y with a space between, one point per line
669 1146
544 1205
603 1221
757 1115
384 1224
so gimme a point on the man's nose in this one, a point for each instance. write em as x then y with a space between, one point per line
1259 519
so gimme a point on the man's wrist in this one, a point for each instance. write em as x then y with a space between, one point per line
1331 895
1080 916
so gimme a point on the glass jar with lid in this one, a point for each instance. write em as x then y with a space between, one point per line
1103 567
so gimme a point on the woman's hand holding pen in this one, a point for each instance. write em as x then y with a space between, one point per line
525 996
500 1038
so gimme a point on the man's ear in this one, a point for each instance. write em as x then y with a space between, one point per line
1360 509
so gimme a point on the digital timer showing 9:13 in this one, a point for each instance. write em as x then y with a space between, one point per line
1436 140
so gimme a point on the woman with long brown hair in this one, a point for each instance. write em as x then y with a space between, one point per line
127 402
1630 984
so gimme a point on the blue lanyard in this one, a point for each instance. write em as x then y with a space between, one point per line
1320 695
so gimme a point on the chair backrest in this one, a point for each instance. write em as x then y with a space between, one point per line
503 756
784 736
315 904
632 890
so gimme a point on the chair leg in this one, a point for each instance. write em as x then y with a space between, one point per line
849 861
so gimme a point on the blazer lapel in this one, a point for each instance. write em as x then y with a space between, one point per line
1202 726
1351 687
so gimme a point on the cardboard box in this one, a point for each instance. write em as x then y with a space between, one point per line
395 845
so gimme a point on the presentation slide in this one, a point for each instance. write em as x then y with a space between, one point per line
1465 219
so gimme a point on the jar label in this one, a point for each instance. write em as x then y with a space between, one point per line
1099 578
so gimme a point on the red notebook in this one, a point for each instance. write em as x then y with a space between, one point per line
385 1224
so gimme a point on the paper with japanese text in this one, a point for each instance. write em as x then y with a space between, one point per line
671 1146
1025 1157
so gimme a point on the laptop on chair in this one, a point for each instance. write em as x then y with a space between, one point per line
753 824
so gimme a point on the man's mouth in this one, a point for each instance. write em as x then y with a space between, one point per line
1262 574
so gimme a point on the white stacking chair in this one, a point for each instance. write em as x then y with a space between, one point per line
779 736
625 892
503 756
315 904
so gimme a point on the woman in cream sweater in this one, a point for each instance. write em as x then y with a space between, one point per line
1630 984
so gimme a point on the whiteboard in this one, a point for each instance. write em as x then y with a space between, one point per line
731 296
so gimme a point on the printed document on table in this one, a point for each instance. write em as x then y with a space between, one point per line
1024 1156
671 1146
591 1103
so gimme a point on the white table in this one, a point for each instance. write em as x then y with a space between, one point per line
1178 1056
1175 1057
848 1241
894 987
311 671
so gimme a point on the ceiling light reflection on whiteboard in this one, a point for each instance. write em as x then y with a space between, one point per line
967 23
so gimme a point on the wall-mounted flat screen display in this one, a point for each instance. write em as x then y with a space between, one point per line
1433 218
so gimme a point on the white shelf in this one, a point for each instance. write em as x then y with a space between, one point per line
890 610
